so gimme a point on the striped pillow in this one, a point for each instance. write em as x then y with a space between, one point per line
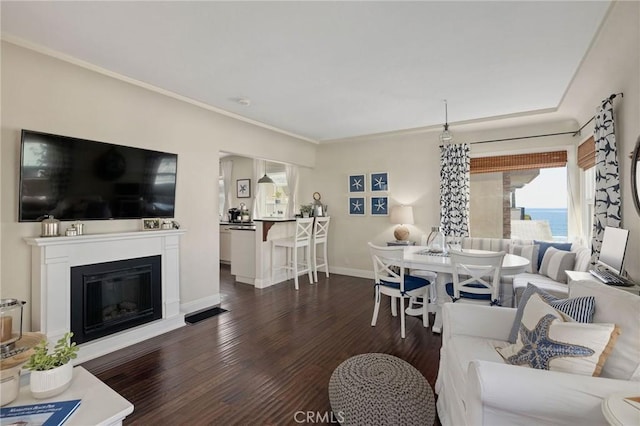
556 262
580 309
530 252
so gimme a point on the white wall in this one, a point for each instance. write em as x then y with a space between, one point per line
412 162
613 66
42 93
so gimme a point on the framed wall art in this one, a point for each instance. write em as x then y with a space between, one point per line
243 188
357 182
357 206
379 181
379 206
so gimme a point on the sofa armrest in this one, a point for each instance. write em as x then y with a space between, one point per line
509 394
490 322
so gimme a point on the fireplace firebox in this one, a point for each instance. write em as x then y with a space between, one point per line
113 296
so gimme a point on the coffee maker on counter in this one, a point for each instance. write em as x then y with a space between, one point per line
239 214
234 215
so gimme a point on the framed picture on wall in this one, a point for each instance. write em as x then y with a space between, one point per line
243 188
357 182
357 206
379 181
379 206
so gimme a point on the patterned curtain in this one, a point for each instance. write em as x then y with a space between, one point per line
454 190
607 196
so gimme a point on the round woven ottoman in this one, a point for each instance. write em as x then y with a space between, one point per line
380 389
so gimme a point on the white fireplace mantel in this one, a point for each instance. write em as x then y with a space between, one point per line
52 259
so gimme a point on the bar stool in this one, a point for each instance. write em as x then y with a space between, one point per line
301 239
320 235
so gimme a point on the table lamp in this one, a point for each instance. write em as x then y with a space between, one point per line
402 215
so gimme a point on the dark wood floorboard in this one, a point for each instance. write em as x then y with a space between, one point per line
267 358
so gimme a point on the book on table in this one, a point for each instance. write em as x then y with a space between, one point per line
45 413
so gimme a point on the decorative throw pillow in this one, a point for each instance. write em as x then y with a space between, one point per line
580 309
555 264
530 252
544 245
547 342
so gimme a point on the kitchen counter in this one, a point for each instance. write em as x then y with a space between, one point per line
275 219
243 227
267 223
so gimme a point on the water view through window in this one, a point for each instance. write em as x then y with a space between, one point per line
544 200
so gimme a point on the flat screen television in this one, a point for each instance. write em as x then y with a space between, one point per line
78 179
613 249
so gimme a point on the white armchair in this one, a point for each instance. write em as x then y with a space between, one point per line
476 387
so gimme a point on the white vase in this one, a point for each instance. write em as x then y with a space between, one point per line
48 383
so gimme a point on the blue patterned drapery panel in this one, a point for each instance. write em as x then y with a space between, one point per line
454 189
607 206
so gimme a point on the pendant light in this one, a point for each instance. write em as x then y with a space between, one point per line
265 178
446 135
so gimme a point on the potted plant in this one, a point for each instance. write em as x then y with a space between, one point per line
306 210
51 372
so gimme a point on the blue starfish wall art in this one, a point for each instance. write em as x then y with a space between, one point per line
379 181
356 183
379 206
356 206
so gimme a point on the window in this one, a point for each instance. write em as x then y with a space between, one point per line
274 198
587 162
519 196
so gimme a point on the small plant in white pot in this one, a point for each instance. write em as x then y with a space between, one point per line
51 373
306 209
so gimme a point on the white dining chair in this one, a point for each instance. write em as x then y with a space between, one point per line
320 236
476 277
295 264
391 280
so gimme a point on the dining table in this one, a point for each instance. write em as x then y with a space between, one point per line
419 258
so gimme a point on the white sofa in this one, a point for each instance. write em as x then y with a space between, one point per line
513 286
476 387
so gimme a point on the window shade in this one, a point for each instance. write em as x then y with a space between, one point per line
503 163
587 154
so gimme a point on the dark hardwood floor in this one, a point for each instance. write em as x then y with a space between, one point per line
267 358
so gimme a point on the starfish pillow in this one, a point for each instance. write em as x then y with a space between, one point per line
550 340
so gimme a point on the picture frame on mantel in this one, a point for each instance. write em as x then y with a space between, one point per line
151 224
243 188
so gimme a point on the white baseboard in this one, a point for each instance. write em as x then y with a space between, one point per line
200 304
360 273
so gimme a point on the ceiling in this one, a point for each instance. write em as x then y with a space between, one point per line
330 70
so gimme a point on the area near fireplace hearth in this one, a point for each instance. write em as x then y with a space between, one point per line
132 277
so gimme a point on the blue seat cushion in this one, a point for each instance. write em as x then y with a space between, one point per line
410 283
467 295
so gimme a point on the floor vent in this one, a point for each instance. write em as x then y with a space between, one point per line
203 315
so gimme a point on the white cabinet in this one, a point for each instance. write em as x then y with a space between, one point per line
225 244
243 255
